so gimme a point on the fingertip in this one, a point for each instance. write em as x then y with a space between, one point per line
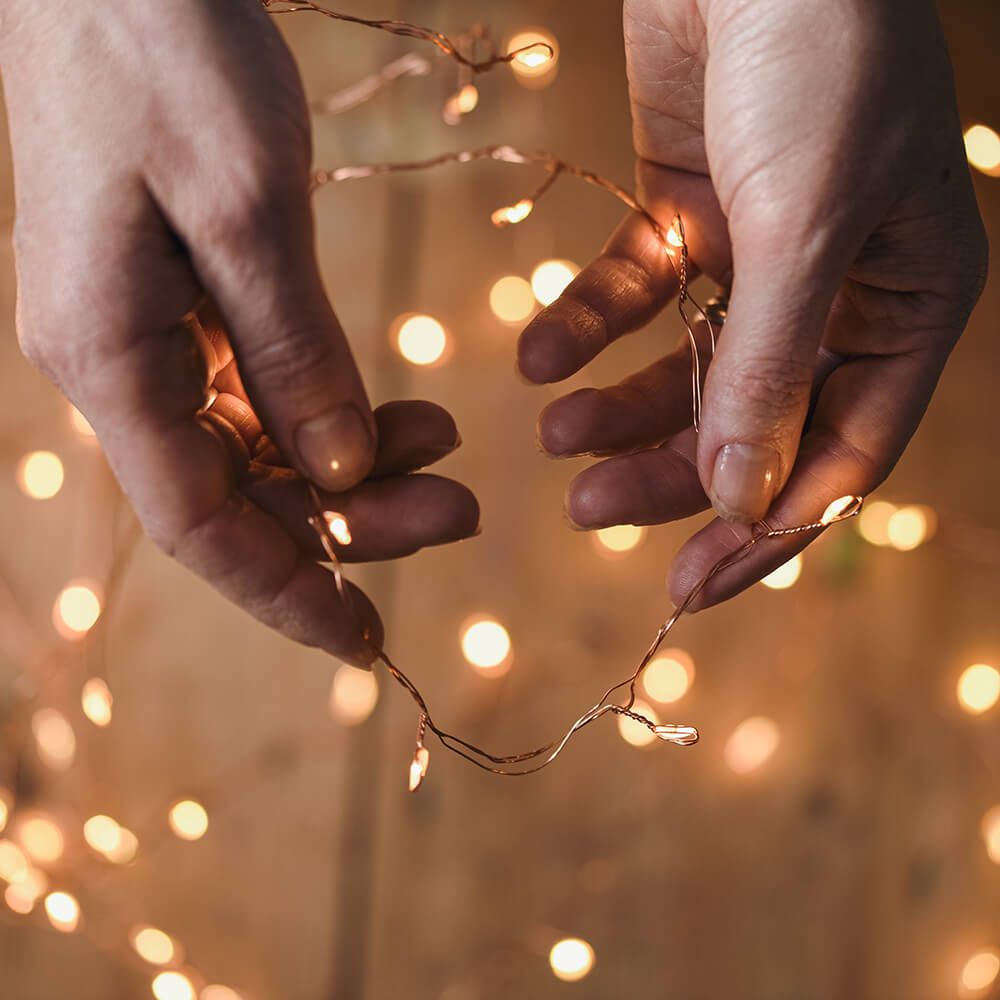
337 449
587 499
547 351
565 422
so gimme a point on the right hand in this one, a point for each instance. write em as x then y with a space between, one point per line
162 155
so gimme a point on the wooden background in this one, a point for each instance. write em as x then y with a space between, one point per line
850 866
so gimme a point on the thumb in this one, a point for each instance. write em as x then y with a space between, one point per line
756 395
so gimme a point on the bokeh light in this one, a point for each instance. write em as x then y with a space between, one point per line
63 911
535 67
76 610
54 738
571 959
785 575
752 742
550 278
990 828
982 148
102 833
668 676
635 733
96 701
80 423
421 340
40 475
618 539
979 688
511 299
486 645
6 802
216 992
980 972
152 945
172 986
353 696
189 820
873 522
13 864
908 527
41 839
19 899
125 850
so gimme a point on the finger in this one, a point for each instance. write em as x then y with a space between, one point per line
387 518
866 413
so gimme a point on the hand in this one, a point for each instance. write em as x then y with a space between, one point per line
814 152
162 154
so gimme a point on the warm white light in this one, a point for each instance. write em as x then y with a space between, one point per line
354 695
990 829
486 645
980 972
668 677
535 65
96 701
338 526
511 299
510 215
421 340
571 959
751 744
979 688
76 610
80 423
461 103
41 839
418 767
6 801
550 278
618 539
40 474
873 522
54 737
13 863
634 732
219 993
63 911
126 850
189 820
982 147
152 945
785 575
102 833
907 528
172 986
20 899
840 507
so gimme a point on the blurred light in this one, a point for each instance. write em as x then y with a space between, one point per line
980 971
338 526
751 744
618 539
126 849
668 677
634 732
535 67
550 278
13 863
486 644
990 828
63 911
421 340
461 103
40 474
55 738
172 986
96 701
152 945
41 839
873 522
571 959
511 299
80 423
979 688
510 215
189 820
20 898
102 833
219 993
982 147
6 801
785 575
908 527
354 695
76 610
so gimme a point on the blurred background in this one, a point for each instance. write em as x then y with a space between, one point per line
193 806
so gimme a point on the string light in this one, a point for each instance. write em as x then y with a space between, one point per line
40 475
635 732
535 56
461 103
980 972
153 945
982 148
873 524
96 701
421 340
571 959
353 696
173 986
669 676
189 820
54 737
76 610
785 575
908 527
751 744
990 829
979 688
619 539
486 645
63 911
550 278
510 215
511 299
41 839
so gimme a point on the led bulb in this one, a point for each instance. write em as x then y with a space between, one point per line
682 736
571 959
841 508
510 215
63 911
338 526
418 767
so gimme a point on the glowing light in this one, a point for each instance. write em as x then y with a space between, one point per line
511 299
353 696
6 800
980 972
535 65
20 899
990 828
550 278
873 522
80 423
785 575
462 103
152 945
102 833
571 959
635 733
338 526
510 215
13 863
908 527
126 850
96 701
76 610
63 911
668 677
219 993
840 508
979 688
618 539
982 147
682 736
486 645
172 986
189 820
418 767
421 340
751 744
674 238
54 737
41 839
40 475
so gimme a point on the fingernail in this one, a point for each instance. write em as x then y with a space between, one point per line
337 448
744 481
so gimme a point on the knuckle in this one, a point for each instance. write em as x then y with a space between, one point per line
777 385
293 357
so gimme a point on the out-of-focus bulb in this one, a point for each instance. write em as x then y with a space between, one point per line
668 676
41 839
979 973
13 864
76 610
550 278
54 737
172 986
40 475
785 575
635 733
990 828
873 522
152 945
216 992
511 299
353 696
80 423
63 911
486 645
571 959
6 801
618 539
421 340
510 215
96 701
189 820
102 834
461 103
752 743
982 148
908 527
979 688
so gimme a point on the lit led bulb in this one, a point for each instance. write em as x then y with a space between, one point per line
842 508
418 767
461 103
551 278
420 339
338 526
189 820
682 736
510 215
486 645
535 54
63 911
571 959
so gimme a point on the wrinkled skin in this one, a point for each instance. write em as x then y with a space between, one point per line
814 152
